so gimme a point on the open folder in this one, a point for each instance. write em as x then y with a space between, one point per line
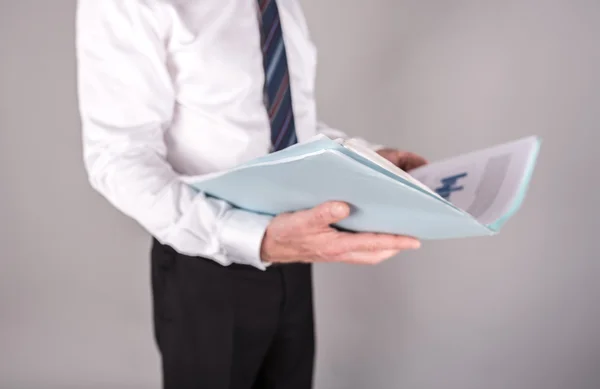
472 194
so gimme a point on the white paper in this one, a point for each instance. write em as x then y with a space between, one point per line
483 183
384 163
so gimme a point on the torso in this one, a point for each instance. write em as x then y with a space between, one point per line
215 61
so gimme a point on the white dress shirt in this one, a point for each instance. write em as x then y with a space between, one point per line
175 87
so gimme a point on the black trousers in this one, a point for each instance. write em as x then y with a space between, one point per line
233 327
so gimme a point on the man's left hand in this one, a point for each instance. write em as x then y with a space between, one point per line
403 159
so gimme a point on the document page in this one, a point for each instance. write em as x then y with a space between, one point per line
486 183
384 163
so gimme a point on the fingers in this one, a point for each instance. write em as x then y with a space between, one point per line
366 248
367 257
323 215
316 241
409 161
403 159
370 242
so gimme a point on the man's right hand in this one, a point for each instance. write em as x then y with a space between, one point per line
307 236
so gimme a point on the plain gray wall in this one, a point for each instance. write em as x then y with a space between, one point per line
520 310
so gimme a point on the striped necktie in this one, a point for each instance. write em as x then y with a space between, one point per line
277 79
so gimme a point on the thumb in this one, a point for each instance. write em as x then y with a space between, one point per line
324 214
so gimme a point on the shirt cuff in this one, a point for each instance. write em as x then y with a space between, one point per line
241 236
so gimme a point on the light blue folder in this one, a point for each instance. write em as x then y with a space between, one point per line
309 174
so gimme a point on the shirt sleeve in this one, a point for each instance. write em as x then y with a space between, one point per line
126 102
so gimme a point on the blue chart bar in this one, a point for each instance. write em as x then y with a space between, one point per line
449 185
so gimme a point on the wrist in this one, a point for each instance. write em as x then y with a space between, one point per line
265 248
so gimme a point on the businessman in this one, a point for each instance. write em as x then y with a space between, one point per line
188 87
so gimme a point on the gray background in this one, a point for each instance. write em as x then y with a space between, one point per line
439 77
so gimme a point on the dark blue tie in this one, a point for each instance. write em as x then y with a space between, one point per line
277 78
